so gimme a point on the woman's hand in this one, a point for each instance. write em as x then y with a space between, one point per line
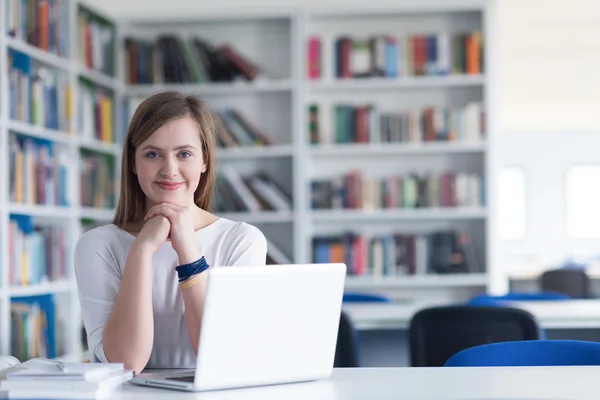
154 233
182 230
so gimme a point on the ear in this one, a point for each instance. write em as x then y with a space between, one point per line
203 168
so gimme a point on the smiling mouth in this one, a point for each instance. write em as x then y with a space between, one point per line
169 185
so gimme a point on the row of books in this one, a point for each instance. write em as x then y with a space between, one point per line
355 191
97 180
38 95
36 253
400 254
37 171
235 130
35 329
42 23
96 42
419 54
96 113
252 192
367 124
177 59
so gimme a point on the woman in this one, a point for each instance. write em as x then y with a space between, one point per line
141 279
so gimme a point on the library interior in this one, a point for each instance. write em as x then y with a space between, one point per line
428 145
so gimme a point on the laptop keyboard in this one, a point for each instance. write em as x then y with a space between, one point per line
187 378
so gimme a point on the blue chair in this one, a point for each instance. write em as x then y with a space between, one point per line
486 299
503 300
365 298
528 353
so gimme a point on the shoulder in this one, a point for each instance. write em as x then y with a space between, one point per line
241 232
242 243
104 240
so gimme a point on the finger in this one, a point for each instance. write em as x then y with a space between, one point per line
170 214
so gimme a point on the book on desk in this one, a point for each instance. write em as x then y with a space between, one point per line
52 379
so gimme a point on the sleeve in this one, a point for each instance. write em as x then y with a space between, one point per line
98 280
248 246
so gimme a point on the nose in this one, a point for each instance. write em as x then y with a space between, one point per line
170 168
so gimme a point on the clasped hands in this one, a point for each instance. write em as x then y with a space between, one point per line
166 221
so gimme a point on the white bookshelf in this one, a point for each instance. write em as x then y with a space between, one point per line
328 159
278 106
64 290
277 41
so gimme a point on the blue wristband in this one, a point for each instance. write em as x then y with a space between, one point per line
186 271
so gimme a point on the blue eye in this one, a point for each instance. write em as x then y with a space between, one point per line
152 154
185 154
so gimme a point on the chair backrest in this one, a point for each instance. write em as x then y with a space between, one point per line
365 298
487 299
573 282
528 353
346 351
437 333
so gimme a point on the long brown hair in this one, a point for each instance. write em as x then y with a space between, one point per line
150 115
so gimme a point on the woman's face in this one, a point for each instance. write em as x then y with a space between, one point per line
169 163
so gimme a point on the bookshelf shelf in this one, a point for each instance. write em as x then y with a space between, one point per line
38 54
264 217
101 215
447 214
224 88
417 281
36 210
379 149
99 146
98 77
62 286
417 82
39 132
239 153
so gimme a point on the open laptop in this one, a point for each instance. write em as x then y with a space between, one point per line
263 325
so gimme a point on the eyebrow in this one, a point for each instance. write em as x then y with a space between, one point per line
185 146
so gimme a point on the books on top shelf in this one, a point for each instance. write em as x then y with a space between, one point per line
38 95
419 54
44 24
38 171
176 59
345 123
354 191
96 42
399 254
36 253
52 379
249 193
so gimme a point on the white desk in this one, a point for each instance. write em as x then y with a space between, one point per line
568 314
535 383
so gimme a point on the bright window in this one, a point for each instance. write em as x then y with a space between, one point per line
583 201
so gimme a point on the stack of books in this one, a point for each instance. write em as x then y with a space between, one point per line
51 379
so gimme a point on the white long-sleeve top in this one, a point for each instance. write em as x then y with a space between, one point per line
100 256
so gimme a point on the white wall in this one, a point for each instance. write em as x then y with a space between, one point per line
548 98
547 63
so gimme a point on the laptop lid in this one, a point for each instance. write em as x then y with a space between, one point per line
269 324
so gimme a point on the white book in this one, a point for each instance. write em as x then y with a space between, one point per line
56 370
42 384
